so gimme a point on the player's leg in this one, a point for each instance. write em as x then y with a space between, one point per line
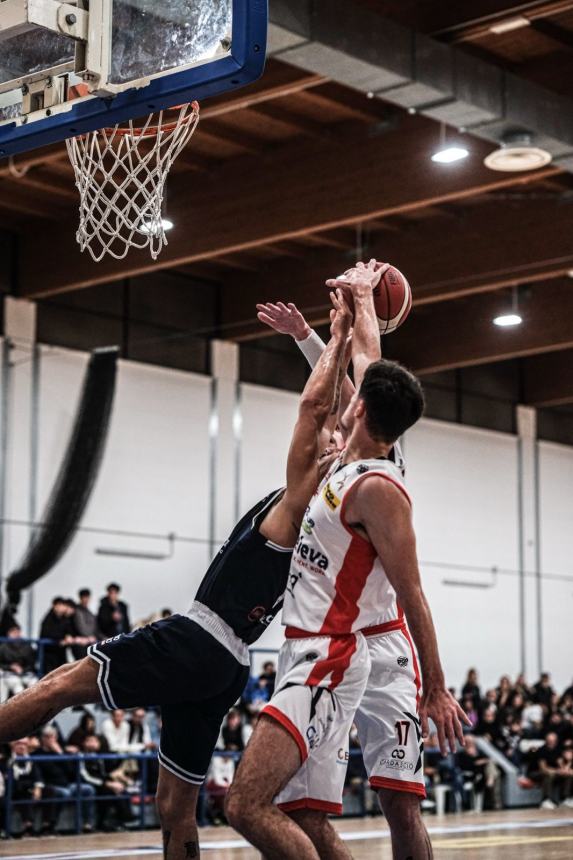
249 804
177 804
408 831
71 684
323 835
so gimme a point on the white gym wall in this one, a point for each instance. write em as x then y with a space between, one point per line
155 478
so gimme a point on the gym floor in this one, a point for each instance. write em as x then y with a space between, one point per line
512 834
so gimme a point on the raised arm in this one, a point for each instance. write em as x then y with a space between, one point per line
316 405
366 347
287 319
382 510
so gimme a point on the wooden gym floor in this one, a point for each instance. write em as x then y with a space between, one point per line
511 835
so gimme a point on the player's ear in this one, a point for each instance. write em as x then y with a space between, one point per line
360 408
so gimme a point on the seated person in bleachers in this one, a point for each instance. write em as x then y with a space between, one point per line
17 663
219 778
59 778
468 704
232 732
269 676
256 695
115 730
93 772
27 782
84 728
481 772
548 772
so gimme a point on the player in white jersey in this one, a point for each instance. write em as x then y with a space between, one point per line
355 551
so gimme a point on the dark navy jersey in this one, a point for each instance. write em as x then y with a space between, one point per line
246 581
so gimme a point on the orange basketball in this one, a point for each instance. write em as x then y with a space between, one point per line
392 300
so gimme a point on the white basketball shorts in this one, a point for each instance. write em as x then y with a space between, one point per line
320 682
388 720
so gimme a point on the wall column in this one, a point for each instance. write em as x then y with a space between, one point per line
224 440
529 549
19 409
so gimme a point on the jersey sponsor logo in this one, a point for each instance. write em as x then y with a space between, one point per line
342 756
396 764
113 638
398 754
308 525
309 557
330 497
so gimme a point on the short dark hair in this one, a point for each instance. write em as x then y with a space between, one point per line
113 586
84 592
393 398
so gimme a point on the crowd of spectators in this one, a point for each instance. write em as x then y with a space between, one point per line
531 726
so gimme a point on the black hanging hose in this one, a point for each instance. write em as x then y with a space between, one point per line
76 478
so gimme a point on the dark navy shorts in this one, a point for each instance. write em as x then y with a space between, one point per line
176 665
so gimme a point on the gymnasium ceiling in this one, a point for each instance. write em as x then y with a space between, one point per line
285 179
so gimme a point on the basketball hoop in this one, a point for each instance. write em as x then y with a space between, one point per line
120 174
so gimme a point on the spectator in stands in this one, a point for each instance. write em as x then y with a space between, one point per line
139 737
566 773
549 772
522 687
532 721
512 733
543 691
268 676
113 615
94 773
27 784
504 695
150 619
84 729
490 700
84 625
219 778
489 727
233 732
17 662
481 772
256 695
471 688
56 626
115 730
59 779
469 706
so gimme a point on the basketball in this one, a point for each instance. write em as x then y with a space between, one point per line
392 298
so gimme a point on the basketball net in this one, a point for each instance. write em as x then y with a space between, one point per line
120 174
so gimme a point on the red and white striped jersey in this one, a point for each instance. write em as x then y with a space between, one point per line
337 583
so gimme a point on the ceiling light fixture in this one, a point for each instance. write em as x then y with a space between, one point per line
511 317
448 153
510 24
517 153
149 227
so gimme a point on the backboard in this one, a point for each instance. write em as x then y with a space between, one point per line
67 68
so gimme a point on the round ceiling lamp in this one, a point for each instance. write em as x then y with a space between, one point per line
517 153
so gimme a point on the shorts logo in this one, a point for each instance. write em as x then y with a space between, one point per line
260 615
330 497
396 763
311 657
398 754
402 661
362 468
343 756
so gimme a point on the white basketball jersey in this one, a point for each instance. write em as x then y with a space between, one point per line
337 583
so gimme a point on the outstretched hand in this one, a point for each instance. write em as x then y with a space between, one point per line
285 319
340 315
360 276
441 707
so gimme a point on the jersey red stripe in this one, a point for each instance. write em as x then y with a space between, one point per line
356 567
340 651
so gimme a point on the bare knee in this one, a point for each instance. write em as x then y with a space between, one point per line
315 824
176 803
401 808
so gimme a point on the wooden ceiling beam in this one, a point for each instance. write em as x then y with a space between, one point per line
489 248
461 334
481 26
290 191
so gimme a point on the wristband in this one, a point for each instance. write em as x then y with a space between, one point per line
312 347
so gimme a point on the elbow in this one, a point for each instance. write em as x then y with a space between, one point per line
316 407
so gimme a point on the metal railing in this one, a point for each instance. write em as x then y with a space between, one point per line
40 646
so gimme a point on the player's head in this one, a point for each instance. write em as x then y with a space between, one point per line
390 401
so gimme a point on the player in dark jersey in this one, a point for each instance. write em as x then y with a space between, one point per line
195 666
